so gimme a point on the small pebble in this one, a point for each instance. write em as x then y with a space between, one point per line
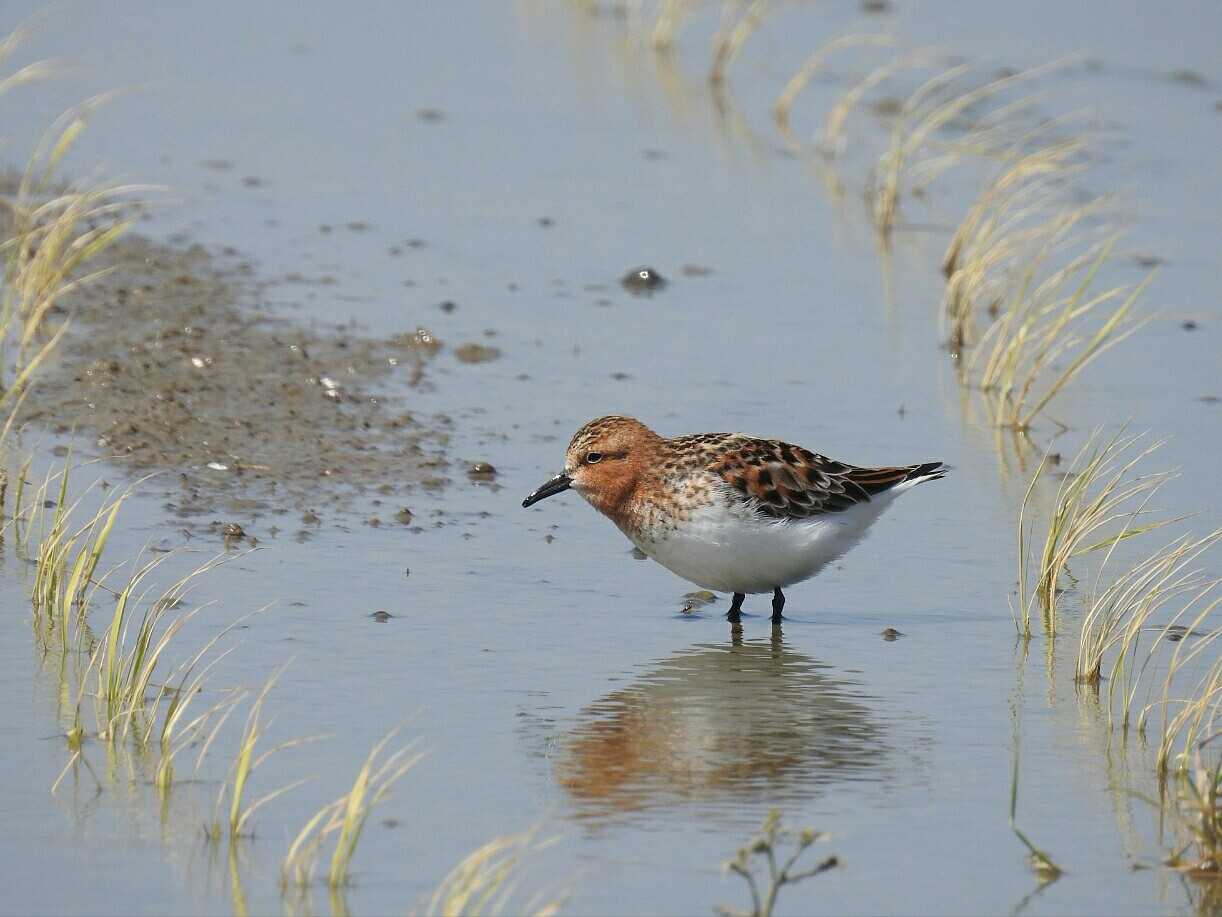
642 280
481 471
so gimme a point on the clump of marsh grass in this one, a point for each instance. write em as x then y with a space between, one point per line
245 764
1196 711
780 869
927 111
51 235
135 692
49 232
345 818
1025 179
1100 503
1044 322
68 557
1097 505
1019 213
66 581
131 650
1117 616
485 882
1199 806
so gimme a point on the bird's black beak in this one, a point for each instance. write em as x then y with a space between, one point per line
558 484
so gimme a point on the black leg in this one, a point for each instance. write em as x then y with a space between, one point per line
734 614
778 604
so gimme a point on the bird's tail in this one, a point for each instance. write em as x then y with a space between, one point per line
928 471
875 481
912 475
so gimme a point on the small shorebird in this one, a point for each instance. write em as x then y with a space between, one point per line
726 511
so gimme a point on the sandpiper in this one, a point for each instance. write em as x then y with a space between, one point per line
725 511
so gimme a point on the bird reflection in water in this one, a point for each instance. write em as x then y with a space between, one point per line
721 723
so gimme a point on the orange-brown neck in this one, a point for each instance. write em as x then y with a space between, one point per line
616 489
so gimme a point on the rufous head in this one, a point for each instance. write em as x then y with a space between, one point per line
604 463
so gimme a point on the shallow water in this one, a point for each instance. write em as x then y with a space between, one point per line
553 679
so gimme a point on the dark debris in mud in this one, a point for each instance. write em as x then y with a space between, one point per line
1187 77
172 364
477 353
694 601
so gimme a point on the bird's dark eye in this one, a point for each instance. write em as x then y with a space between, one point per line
593 458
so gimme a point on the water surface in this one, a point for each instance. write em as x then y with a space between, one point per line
551 677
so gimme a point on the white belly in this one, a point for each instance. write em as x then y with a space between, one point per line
728 552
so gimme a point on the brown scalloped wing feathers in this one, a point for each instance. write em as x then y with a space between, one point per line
790 482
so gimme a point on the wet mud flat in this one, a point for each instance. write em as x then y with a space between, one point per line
174 363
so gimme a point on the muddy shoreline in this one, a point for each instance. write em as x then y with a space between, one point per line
174 363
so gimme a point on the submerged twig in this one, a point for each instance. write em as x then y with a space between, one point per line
780 872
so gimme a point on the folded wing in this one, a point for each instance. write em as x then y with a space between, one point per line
788 482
